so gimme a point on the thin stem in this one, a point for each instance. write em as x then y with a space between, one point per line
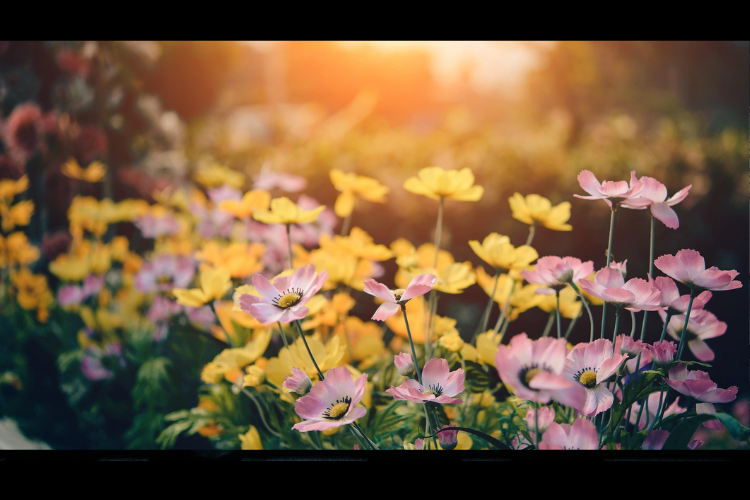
586 305
411 342
632 323
289 244
438 232
548 326
356 435
299 327
683 334
617 324
559 326
346 224
532 231
609 256
505 307
283 337
488 307
659 409
536 424
503 330
650 273
571 325
260 412
369 441
666 322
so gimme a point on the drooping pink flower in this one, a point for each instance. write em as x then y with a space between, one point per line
688 267
545 419
298 383
671 298
591 365
663 352
419 285
609 191
698 385
554 273
448 439
439 385
285 299
534 369
332 402
404 364
654 195
702 325
635 295
581 435
165 273
23 132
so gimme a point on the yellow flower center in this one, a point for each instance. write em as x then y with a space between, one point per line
588 378
288 300
338 410
164 279
398 293
531 374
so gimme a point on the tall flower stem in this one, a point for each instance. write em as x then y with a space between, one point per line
666 322
548 326
586 305
411 343
536 424
683 335
559 326
505 307
617 325
659 409
650 273
609 257
289 245
345 225
488 308
438 232
532 231
283 337
572 325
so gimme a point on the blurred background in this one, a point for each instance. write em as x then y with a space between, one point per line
525 117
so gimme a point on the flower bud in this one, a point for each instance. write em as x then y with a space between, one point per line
404 364
448 439
299 382
663 353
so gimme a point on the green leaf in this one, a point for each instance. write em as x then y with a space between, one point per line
681 435
736 429
477 379
691 363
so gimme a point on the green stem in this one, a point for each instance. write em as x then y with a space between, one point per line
559 326
260 412
283 337
532 231
571 325
505 307
438 232
299 328
289 244
666 322
659 409
683 334
650 273
536 424
586 305
494 442
548 326
356 435
346 224
488 307
411 343
609 256
617 324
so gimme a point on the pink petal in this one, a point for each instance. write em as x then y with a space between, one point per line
379 290
583 435
589 183
614 188
265 288
618 295
701 350
385 311
419 285
679 196
672 267
310 407
303 277
692 261
266 313
435 372
610 278
665 214
720 395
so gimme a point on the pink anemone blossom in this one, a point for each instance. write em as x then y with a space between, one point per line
298 383
286 182
581 435
70 295
688 267
654 195
608 191
439 385
554 273
419 285
635 295
698 385
404 364
671 298
591 365
663 352
545 418
534 369
332 402
285 299
649 412
626 345
702 325
165 273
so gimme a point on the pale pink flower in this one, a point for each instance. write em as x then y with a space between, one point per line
671 298
212 222
155 227
609 191
581 435
534 369
591 365
165 273
309 234
223 193
545 419
626 345
635 295
419 285
688 267
620 266
202 316
702 325
285 299
92 369
92 285
654 195
698 385
332 402
663 352
439 385
653 405
419 444
298 383
69 295
404 364
286 182
555 273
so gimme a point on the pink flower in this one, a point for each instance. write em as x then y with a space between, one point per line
635 295
625 344
701 326
419 285
671 298
165 273
609 191
69 295
698 385
92 369
332 402
438 385
533 368
298 383
224 192
285 299
404 364
654 194
448 439
546 418
581 435
155 227
555 272
286 182
689 268
663 353
655 439
591 364
620 266
92 285
23 131
652 406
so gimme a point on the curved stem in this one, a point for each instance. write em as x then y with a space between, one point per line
617 324
505 307
260 412
411 343
571 325
495 442
299 328
632 323
586 305
532 231
666 322
548 326
226 333
488 307
650 272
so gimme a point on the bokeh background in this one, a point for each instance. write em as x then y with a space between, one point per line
525 117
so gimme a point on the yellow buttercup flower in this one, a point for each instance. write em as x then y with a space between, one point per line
570 306
255 376
16 249
497 251
331 312
70 268
17 215
436 183
361 245
219 175
536 209
251 440
240 259
487 346
214 285
453 342
235 359
251 201
327 356
10 188
285 211
95 172
352 185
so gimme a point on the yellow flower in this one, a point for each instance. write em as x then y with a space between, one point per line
93 173
570 306
487 346
352 185
17 215
331 312
251 440
360 244
436 183
218 175
255 376
252 201
33 292
70 268
415 314
228 316
214 285
16 249
444 326
285 211
537 209
497 251
365 338
235 359
595 301
327 356
240 259
10 188
453 342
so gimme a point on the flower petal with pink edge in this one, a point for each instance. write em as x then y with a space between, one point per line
379 290
265 288
701 350
679 196
666 214
609 277
673 267
583 435
385 311
435 372
617 295
589 183
266 313
708 409
303 277
419 285
310 407
720 395
614 189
